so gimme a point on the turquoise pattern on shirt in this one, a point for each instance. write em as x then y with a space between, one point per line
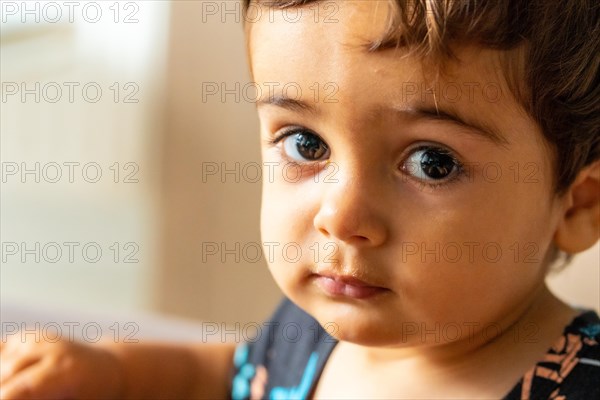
241 381
299 392
246 371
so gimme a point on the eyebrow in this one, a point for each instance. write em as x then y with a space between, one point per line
288 103
471 126
474 128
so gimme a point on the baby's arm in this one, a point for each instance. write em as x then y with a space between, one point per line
164 370
114 370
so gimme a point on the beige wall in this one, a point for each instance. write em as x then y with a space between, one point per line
64 129
195 212
579 283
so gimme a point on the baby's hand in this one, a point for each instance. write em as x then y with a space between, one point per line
62 370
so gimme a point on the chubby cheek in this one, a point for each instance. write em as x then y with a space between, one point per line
478 260
286 229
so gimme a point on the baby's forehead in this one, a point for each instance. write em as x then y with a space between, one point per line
359 33
356 24
355 37
388 78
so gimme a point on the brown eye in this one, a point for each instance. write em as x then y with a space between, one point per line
305 146
430 163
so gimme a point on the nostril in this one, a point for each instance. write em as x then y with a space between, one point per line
360 239
324 232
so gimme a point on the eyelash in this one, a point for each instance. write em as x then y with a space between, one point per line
458 175
272 142
286 132
289 132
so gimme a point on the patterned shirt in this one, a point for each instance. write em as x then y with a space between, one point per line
286 359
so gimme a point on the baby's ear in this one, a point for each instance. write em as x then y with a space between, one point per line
579 227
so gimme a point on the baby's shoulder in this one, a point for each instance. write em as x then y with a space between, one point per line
570 369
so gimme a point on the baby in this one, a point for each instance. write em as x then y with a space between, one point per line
446 155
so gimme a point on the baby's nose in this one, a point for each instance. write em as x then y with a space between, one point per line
348 211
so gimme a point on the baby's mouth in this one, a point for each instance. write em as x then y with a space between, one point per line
348 286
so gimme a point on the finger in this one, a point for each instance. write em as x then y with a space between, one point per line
12 345
12 365
11 339
36 382
5 344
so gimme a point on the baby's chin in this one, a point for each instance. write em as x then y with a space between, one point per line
363 331
361 324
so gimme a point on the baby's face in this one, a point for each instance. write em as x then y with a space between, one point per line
446 222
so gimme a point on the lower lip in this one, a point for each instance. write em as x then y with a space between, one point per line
338 288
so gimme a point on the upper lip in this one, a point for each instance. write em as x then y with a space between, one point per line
347 279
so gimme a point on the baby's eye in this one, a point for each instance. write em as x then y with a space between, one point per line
302 146
431 164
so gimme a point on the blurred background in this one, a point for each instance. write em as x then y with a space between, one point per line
128 150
